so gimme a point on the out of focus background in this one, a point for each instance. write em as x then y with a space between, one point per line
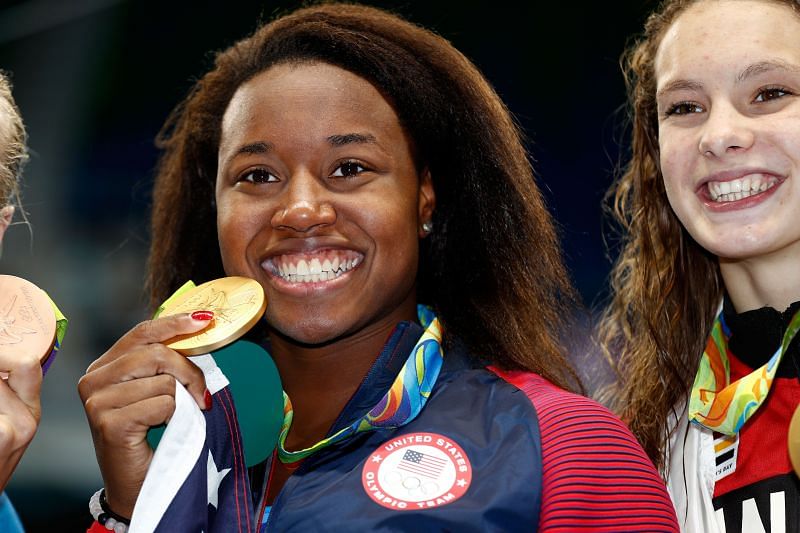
95 80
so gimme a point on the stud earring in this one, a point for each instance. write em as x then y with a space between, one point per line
427 227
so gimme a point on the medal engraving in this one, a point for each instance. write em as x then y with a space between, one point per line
27 320
237 302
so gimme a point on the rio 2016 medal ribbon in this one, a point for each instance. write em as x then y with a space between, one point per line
27 319
237 302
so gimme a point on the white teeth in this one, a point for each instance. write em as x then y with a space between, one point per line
730 191
745 184
302 268
314 270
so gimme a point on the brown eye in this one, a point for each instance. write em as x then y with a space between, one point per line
348 169
258 175
771 93
683 108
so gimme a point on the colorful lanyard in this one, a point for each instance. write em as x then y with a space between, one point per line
61 330
399 406
720 405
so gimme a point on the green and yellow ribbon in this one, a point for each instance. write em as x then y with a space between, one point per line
720 405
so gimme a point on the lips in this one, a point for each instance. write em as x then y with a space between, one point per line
313 266
737 187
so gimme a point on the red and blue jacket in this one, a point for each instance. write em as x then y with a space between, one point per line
491 450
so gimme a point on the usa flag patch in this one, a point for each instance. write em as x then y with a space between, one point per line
417 471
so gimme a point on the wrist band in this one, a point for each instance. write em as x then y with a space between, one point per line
100 511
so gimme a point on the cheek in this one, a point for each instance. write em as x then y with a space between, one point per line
233 234
676 163
393 229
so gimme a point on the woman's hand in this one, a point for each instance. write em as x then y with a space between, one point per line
127 390
20 409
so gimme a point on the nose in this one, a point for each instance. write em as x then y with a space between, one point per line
304 205
725 131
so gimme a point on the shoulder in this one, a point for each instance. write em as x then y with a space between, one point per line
594 472
562 413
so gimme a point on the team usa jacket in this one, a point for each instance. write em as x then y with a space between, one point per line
491 450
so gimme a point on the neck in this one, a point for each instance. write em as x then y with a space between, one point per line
772 281
321 379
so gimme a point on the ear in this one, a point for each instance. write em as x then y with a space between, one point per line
5 219
427 201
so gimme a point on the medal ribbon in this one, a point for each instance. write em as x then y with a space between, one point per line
61 330
720 405
399 406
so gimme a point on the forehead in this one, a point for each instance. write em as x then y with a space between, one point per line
315 97
728 32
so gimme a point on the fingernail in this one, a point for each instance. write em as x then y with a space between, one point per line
203 315
209 401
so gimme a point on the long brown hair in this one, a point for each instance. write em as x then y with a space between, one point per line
665 286
492 268
13 151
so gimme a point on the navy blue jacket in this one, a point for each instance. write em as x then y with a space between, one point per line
475 459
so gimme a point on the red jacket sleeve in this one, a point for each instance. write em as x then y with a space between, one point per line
596 477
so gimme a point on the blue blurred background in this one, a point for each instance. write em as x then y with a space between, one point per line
95 79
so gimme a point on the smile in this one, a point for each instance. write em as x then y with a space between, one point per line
313 267
730 191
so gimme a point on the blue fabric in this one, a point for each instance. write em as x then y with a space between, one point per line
479 469
489 419
9 521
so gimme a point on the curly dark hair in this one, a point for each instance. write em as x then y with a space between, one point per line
492 269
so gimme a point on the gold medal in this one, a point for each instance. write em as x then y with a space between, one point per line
794 440
27 319
237 302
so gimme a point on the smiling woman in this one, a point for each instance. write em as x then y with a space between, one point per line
368 177
703 325
335 184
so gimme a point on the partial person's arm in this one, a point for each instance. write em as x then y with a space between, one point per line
20 409
596 477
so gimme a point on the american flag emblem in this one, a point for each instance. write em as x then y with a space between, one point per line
423 464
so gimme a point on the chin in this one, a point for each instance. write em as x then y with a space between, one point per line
742 252
311 333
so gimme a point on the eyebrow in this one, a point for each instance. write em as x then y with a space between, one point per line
679 85
255 148
335 140
351 138
766 66
753 70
